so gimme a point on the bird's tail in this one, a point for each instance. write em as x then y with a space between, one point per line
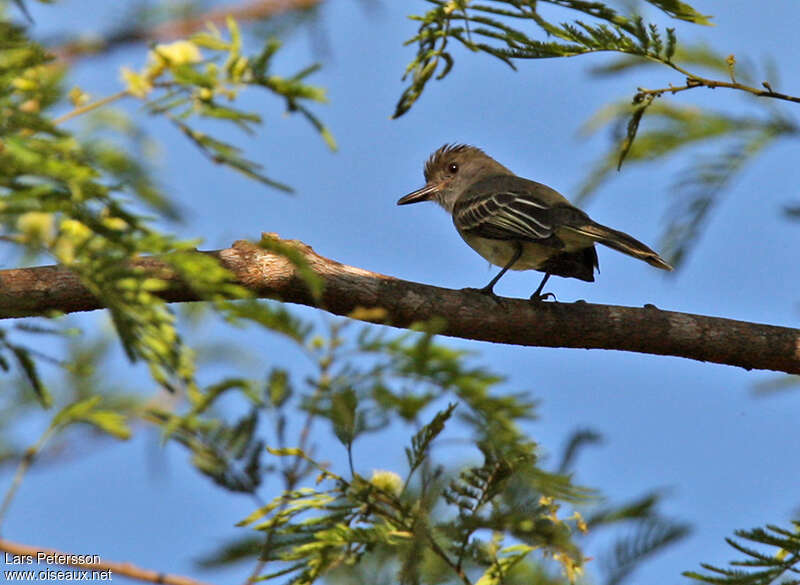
621 242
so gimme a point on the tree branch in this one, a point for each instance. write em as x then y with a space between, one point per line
373 297
694 81
181 27
42 556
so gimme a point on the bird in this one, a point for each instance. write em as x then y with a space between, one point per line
516 223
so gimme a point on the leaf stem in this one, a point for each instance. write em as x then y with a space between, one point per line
90 106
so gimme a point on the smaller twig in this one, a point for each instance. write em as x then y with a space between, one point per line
693 81
25 464
72 560
181 27
292 474
90 106
484 498
443 555
382 512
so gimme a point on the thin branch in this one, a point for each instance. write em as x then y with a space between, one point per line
181 27
369 296
293 473
693 82
47 555
90 107
443 555
24 465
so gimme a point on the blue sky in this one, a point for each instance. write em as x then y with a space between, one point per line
726 459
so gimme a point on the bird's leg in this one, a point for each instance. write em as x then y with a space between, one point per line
538 296
489 288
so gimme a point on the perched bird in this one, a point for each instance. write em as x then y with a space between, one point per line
518 224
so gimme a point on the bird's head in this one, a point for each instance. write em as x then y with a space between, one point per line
450 171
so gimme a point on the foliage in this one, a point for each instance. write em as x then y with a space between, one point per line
759 568
491 510
736 140
492 514
486 27
496 27
88 412
181 83
66 197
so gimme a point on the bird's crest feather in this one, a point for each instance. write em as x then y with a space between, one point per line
436 158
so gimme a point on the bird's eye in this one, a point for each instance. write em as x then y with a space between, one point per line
453 168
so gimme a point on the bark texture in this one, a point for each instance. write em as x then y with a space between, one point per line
373 297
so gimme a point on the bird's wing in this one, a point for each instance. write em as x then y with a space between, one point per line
507 208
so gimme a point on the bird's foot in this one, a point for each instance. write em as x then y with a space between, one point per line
538 297
486 290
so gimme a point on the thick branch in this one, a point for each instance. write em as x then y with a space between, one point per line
373 297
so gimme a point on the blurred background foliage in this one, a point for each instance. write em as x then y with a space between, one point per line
478 503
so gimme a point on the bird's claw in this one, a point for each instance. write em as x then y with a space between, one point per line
538 297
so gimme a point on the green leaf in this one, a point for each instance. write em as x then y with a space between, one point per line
272 316
421 441
496 36
279 389
287 452
343 415
24 10
651 537
86 411
682 11
633 127
762 568
234 550
699 55
701 186
226 154
30 371
498 571
112 423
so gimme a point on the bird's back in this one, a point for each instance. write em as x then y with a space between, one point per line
501 209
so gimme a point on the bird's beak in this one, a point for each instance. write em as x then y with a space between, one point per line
425 194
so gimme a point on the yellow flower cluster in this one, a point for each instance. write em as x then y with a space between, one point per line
163 56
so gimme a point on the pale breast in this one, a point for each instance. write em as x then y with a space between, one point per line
500 252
